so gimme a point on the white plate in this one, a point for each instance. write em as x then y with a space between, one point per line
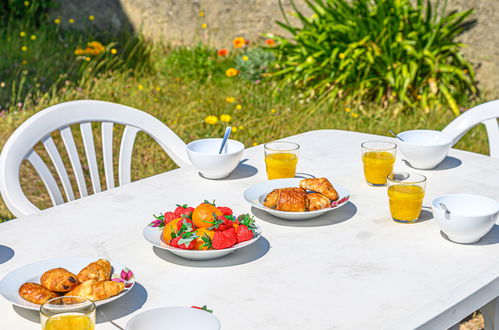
173 318
155 237
9 285
255 195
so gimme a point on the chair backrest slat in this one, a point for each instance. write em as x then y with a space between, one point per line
69 143
54 155
47 178
89 146
107 153
125 157
492 128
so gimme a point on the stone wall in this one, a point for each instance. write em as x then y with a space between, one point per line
179 22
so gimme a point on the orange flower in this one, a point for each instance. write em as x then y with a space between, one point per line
223 52
231 72
270 42
239 42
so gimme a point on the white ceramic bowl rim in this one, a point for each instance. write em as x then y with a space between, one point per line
439 133
436 203
237 144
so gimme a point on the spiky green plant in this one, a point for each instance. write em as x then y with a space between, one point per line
378 50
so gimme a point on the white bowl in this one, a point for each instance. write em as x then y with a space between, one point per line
424 149
173 318
205 158
470 217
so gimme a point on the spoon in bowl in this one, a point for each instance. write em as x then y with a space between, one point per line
447 212
398 137
224 140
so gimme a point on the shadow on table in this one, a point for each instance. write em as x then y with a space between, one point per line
448 163
330 218
426 214
492 237
123 306
242 256
6 253
242 171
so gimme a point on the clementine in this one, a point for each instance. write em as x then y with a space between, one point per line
201 232
204 215
169 229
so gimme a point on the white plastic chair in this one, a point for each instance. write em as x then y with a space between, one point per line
58 117
487 114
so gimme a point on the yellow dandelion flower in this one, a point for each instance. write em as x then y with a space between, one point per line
26 3
273 110
204 26
57 21
225 118
231 72
239 107
24 62
201 14
341 55
71 20
33 37
314 16
419 97
91 17
2 84
348 109
245 58
22 34
87 59
24 48
240 127
255 144
114 51
211 120
230 99
158 88
140 87
354 115
234 129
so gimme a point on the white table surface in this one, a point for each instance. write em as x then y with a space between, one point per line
353 268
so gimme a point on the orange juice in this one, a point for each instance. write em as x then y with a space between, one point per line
69 322
377 166
405 201
281 165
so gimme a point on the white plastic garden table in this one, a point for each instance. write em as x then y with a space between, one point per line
353 268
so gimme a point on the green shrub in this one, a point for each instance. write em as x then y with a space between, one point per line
253 63
378 50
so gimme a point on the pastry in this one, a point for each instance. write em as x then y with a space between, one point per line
99 270
317 201
320 185
59 280
287 199
97 290
36 293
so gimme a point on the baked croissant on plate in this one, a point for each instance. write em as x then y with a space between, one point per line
317 201
35 293
287 199
97 290
59 280
99 270
320 185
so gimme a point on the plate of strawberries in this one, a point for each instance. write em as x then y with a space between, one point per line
203 232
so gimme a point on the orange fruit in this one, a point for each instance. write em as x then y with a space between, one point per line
203 215
199 241
169 229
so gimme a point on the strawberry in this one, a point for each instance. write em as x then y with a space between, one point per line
183 211
204 308
184 241
225 210
221 224
224 239
186 225
169 216
245 228
243 233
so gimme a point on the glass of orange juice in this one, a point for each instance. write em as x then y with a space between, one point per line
75 313
378 158
281 158
405 193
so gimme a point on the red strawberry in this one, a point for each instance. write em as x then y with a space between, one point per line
183 211
221 224
186 225
169 216
243 233
185 241
224 239
225 210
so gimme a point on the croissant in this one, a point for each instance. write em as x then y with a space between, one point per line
317 201
287 199
320 185
97 290
99 270
35 293
59 280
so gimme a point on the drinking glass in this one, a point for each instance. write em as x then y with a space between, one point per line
378 158
281 158
405 193
75 313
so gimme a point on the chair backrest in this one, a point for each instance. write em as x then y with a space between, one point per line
38 128
485 113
